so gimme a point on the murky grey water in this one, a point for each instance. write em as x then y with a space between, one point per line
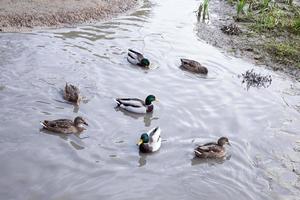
262 124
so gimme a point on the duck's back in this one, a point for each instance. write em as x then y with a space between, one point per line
60 126
134 105
155 139
193 66
210 150
71 93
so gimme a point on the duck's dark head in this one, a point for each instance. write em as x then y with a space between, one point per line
78 121
145 62
149 99
144 139
222 141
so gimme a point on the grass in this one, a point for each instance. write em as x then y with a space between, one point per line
268 20
240 7
271 22
205 9
285 52
290 2
296 25
277 20
202 11
265 3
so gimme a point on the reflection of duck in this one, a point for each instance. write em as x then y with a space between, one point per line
148 117
72 94
209 161
136 105
137 58
65 126
193 66
142 159
212 149
74 139
150 141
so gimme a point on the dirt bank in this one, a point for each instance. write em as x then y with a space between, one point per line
263 47
23 15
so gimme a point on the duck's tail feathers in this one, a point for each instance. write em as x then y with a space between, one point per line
133 51
198 153
118 102
43 124
184 61
134 54
155 130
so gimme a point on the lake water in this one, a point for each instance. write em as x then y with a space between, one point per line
262 124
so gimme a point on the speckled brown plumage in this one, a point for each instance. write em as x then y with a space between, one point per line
193 66
212 149
65 126
72 94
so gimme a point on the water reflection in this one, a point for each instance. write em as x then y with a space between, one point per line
76 146
142 159
74 139
148 117
209 162
262 123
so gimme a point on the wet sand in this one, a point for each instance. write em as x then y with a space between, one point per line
24 15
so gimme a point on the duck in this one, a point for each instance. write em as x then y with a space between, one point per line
212 149
136 105
72 94
150 141
137 58
193 66
65 126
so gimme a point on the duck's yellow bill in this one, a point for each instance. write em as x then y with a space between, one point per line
140 142
156 99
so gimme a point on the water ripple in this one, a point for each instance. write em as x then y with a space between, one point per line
262 124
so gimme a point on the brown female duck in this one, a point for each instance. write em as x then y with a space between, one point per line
65 126
193 66
72 94
212 149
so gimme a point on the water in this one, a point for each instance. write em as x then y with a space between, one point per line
104 162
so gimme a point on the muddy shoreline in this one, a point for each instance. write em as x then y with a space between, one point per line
247 44
26 15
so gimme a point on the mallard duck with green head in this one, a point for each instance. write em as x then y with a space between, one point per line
193 66
150 141
137 58
65 126
72 94
212 149
136 105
